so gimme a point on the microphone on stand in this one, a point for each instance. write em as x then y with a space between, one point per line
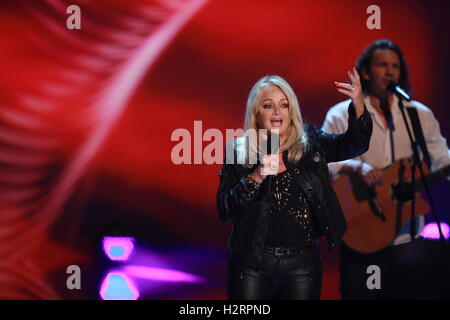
401 94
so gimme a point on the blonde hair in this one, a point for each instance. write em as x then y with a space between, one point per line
296 140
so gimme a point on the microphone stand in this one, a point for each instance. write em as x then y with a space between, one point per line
418 163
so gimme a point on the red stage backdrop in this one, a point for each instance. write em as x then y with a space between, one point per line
86 116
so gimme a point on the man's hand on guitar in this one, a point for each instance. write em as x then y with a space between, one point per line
371 175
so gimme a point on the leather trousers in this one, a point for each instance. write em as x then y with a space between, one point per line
278 277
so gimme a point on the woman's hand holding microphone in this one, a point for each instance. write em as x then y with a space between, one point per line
269 166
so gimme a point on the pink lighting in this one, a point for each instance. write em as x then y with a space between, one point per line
159 274
431 231
118 286
118 248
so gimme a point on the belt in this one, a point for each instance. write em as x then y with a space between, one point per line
283 251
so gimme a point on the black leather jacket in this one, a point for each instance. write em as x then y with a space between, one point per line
247 207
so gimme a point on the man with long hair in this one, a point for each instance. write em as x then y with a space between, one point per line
380 66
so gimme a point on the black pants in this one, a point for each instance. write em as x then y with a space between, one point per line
280 277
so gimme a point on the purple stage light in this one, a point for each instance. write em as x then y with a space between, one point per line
160 274
118 248
431 231
118 286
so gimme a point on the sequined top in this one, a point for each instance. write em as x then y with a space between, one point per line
289 219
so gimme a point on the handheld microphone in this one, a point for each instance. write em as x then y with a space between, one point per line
273 147
273 143
401 94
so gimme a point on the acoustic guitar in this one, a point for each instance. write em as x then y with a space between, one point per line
375 214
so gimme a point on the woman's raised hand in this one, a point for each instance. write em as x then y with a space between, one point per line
353 90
